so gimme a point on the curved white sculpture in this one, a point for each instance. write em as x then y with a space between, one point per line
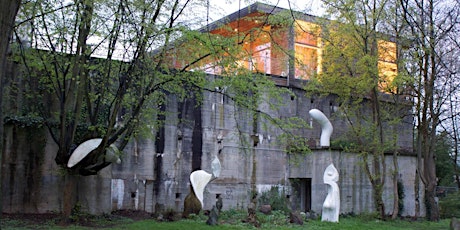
326 126
201 178
86 147
331 205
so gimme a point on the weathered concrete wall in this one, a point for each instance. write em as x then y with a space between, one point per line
154 173
27 174
246 168
33 183
355 188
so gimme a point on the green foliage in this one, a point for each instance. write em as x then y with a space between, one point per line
350 72
276 218
199 217
233 216
230 219
450 206
276 198
85 97
296 145
170 215
346 145
77 215
25 121
444 162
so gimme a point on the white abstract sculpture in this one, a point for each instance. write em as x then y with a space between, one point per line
331 205
201 178
86 147
326 126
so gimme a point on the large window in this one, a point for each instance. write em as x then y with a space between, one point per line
307 50
261 58
306 62
387 65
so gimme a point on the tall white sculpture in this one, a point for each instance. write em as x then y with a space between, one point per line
201 178
331 205
326 126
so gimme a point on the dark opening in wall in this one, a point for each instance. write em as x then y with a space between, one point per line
197 139
301 198
159 148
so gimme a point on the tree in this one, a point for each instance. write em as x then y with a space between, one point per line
356 54
450 120
451 127
444 162
7 15
432 28
146 48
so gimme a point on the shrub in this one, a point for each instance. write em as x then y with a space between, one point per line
170 215
276 198
450 205
276 218
401 196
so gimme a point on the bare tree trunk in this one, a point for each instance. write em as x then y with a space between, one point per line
9 9
377 185
378 192
395 187
417 194
68 198
432 208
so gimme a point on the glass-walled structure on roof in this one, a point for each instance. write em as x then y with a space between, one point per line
265 41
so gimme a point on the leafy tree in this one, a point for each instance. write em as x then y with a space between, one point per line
451 117
354 47
444 163
451 127
146 48
432 30
7 15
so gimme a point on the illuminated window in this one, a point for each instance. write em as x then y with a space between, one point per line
306 61
387 65
307 51
261 58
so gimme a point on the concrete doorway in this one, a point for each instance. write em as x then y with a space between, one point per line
302 194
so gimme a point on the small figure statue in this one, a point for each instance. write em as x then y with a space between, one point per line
331 205
219 203
213 217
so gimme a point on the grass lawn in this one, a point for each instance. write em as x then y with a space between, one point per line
346 223
228 220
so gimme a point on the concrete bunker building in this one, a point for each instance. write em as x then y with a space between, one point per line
154 174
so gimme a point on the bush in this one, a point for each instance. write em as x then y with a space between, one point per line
401 196
450 206
276 198
276 218
232 216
